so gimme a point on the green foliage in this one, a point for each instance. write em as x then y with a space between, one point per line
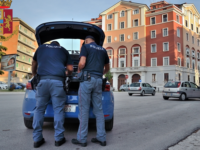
109 75
2 49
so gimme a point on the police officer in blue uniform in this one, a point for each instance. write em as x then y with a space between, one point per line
95 61
49 63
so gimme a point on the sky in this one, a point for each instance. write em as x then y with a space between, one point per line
35 12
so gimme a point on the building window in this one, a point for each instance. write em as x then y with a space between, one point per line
198 42
136 50
109 52
187 36
29 60
153 77
136 11
166 46
122 63
136 36
179 47
191 15
166 77
153 62
122 13
198 55
177 18
165 32
197 30
135 23
110 16
122 25
165 61
179 77
188 77
178 32
164 17
109 27
179 61
154 7
17 65
193 65
153 20
186 23
153 48
192 39
188 63
194 80
109 39
122 37
192 27
153 34
20 36
136 63
122 51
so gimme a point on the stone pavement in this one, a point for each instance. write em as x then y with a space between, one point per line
190 143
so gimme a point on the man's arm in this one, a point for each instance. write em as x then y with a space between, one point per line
69 69
34 67
106 68
81 64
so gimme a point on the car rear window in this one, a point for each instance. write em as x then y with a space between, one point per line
135 85
172 84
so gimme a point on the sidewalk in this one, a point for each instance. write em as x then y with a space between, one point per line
190 143
4 93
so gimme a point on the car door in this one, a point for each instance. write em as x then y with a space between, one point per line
144 88
187 89
150 89
195 90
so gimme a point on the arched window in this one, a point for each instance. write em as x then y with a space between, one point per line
187 51
122 57
193 64
122 13
136 56
110 55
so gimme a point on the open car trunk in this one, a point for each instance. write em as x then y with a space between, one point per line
70 30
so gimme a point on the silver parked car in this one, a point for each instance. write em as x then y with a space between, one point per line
124 87
141 88
182 90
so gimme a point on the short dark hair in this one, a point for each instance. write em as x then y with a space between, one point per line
55 42
89 36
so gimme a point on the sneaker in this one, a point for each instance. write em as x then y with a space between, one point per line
59 143
94 140
75 141
39 143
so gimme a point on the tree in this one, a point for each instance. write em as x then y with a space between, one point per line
2 49
109 75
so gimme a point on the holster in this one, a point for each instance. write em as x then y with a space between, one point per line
84 76
35 81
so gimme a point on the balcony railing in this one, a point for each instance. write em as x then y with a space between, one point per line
25 52
19 59
22 70
32 46
32 37
128 69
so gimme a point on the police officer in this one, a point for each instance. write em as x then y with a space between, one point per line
49 63
93 59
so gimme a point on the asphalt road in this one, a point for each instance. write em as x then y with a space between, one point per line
141 123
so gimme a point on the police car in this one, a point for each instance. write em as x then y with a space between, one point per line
69 30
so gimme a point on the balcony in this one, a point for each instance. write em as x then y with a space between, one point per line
31 46
128 69
25 52
22 70
23 61
26 34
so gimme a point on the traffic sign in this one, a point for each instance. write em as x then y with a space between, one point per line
126 76
140 81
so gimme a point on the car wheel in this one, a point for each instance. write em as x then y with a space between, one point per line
165 98
28 123
154 93
109 124
142 94
122 90
182 97
130 94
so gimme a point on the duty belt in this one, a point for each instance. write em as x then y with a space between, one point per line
53 78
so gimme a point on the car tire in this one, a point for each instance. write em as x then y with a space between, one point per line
28 123
109 124
130 94
142 94
165 98
154 93
183 97
122 90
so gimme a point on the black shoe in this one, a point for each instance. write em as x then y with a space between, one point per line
94 140
59 143
39 143
75 141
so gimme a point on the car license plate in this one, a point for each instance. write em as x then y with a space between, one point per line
70 108
168 94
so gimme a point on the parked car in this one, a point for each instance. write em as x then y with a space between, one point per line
124 87
182 90
141 88
22 85
16 86
3 86
76 30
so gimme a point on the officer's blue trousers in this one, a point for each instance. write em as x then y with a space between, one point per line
91 91
49 89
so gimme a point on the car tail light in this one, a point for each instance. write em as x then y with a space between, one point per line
106 115
128 88
140 89
179 84
28 86
27 114
107 88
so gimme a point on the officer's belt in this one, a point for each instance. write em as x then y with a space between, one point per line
53 78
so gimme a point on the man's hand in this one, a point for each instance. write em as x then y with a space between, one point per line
34 67
69 69
106 68
81 64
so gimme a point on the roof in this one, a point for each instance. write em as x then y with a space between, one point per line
23 23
